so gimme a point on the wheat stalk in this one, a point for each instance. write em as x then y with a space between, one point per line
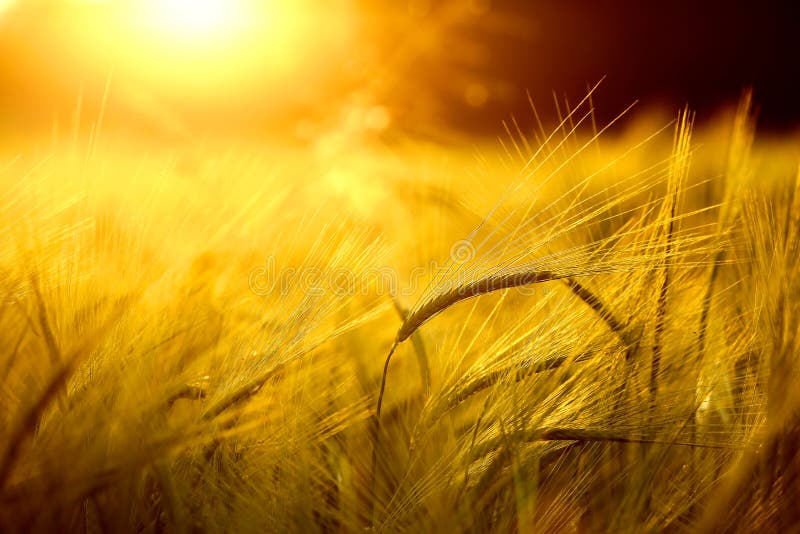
33 415
517 372
587 435
682 140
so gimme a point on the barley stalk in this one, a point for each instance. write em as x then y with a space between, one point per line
683 132
517 372
587 435
419 348
30 419
432 308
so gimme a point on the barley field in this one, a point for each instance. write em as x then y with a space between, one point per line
583 326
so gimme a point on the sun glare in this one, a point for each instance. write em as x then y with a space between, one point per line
198 49
198 19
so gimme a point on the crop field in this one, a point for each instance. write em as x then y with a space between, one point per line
580 325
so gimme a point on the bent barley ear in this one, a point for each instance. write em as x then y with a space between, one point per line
502 280
519 257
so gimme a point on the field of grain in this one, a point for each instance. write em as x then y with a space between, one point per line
582 328
265 268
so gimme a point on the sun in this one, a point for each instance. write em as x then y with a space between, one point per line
201 50
198 19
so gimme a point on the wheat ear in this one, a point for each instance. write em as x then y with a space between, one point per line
482 286
431 308
436 305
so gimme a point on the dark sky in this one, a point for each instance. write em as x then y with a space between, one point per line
700 52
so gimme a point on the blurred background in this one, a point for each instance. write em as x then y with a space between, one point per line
438 68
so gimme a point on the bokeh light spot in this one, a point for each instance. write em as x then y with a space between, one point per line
476 95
